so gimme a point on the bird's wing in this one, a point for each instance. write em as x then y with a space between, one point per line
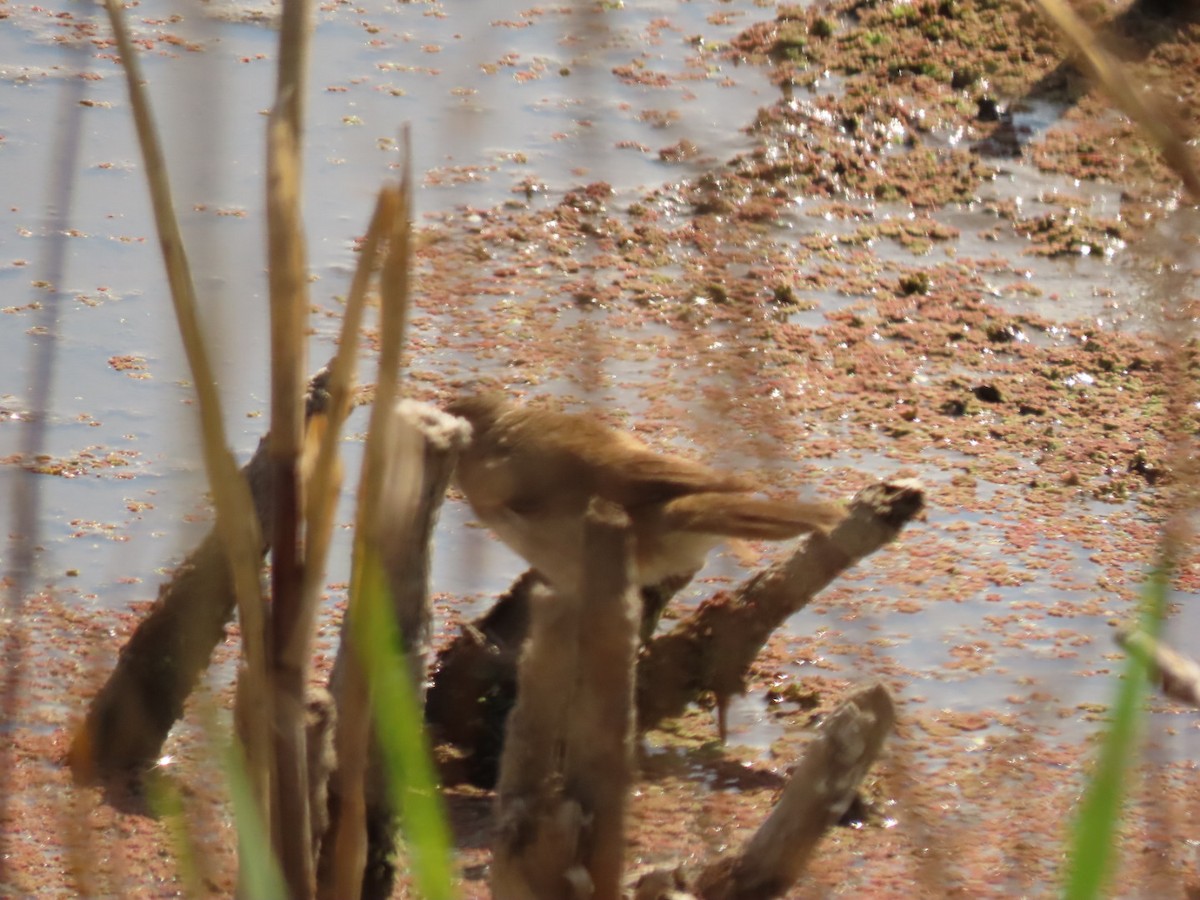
588 458
626 471
646 477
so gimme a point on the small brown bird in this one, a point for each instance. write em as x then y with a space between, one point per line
529 475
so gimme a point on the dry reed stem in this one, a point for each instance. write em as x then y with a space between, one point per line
1178 675
1139 105
353 722
323 480
237 525
295 25
288 652
289 659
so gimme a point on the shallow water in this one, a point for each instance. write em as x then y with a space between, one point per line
543 110
488 126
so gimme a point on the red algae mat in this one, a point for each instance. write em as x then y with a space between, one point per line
934 252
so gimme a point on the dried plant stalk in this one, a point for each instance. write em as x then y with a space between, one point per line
1178 675
288 651
289 658
1136 103
237 526
344 876
566 768
322 480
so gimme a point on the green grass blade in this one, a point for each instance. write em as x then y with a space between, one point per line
400 732
1094 852
166 802
260 877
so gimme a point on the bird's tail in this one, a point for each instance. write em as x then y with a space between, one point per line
753 518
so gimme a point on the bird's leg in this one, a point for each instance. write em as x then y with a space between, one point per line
655 598
723 716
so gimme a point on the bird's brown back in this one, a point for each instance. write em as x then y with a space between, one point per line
535 453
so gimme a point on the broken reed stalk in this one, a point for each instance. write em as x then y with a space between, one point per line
288 651
322 481
352 734
237 526
567 763
1178 675
427 444
288 658
1144 108
322 484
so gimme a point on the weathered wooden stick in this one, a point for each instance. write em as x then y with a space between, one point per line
406 551
539 829
1178 675
412 495
819 790
407 561
818 793
128 720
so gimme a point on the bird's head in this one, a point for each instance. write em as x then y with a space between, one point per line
481 401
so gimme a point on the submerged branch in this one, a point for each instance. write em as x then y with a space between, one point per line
819 791
712 649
